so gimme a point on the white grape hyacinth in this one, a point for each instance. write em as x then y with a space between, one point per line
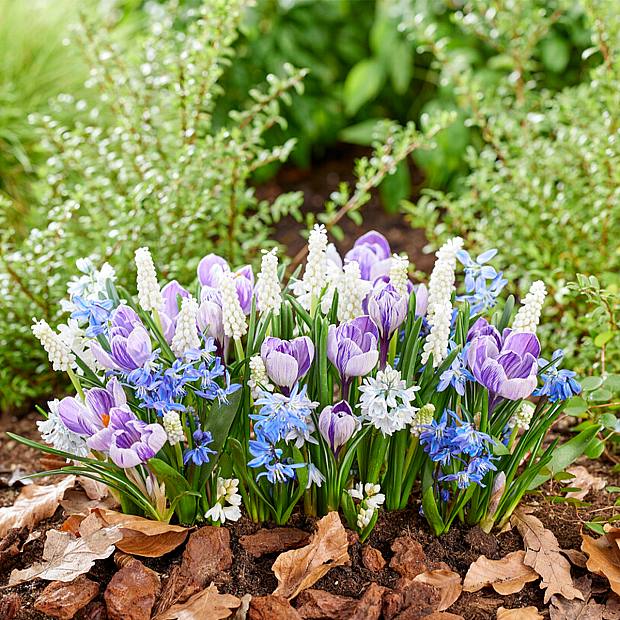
186 335
268 290
523 415
259 379
149 293
235 325
399 274
173 426
528 315
314 280
386 401
56 434
227 502
439 313
59 354
352 291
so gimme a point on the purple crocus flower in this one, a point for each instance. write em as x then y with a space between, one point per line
372 252
287 361
210 271
352 349
128 440
388 309
172 293
210 318
505 364
421 300
93 414
130 343
337 424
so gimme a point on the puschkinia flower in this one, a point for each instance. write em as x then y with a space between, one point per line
351 292
95 313
186 333
233 316
439 313
399 274
258 377
127 440
387 307
227 502
457 375
370 498
75 338
352 348
173 426
528 315
268 291
314 278
314 476
523 415
477 271
58 352
200 454
558 384
55 433
287 361
337 424
505 364
149 293
386 401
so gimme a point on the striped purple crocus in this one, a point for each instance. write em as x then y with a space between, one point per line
287 361
337 425
388 309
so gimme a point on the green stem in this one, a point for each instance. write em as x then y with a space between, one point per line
76 383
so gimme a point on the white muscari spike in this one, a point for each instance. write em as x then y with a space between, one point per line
173 427
235 325
268 291
528 316
439 314
523 415
149 293
351 292
315 275
186 332
59 354
399 273
258 377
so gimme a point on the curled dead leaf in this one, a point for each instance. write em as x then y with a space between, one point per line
447 582
35 503
603 559
143 537
506 576
298 569
518 613
586 609
584 481
543 554
207 604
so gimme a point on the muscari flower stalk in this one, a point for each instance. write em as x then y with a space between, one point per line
523 415
314 277
149 293
186 335
59 354
258 377
528 315
439 313
173 426
399 274
423 418
268 291
233 317
351 292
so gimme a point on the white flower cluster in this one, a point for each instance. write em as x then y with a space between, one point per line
55 433
235 325
149 293
315 275
75 338
370 498
351 292
173 426
58 352
439 313
425 416
258 377
268 292
227 502
386 401
528 316
92 285
186 333
523 415
399 274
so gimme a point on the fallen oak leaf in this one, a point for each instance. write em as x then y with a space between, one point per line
602 559
446 582
298 569
143 537
208 604
66 557
584 481
77 502
507 576
519 613
543 554
587 609
34 503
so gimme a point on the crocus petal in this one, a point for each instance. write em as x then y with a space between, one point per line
516 389
77 418
361 365
377 242
102 356
522 342
171 293
139 346
101 440
281 368
210 268
116 389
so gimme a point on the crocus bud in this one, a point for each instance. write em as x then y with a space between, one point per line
337 424
287 361
388 309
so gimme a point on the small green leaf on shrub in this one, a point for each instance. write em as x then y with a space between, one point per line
588 384
595 527
362 84
602 339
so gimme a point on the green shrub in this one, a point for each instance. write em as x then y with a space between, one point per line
545 181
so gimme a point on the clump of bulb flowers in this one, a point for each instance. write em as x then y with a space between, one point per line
345 386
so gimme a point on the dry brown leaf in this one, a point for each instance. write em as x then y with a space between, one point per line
93 489
66 557
543 554
298 569
447 583
518 613
506 576
602 559
587 609
144 537
77 502
442 615
208 604
584 481
35 503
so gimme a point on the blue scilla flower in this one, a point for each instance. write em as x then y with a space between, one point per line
469 441
558 384
457 375
200 453
95 313
476 270
484 295
280 471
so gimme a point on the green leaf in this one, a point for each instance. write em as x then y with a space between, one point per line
364 133
610 422
176 487
612 382
576 406
401 66
595 527
429 505
595 449
600 395
602 339
395 188
555 53
589 384
362 84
